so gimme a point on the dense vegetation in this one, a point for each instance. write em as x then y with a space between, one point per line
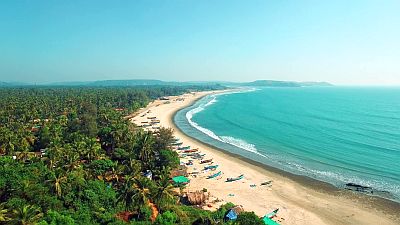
68 156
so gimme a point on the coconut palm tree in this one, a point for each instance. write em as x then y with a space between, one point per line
4 213
57 180
163 194
135 192
144 147
26 215
92 149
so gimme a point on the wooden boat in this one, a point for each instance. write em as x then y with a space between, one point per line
266 183
190 151
152 117
214 175
235 178
272 214
206 161
177 144
210 167
184 148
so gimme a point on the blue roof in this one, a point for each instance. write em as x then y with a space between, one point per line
231 215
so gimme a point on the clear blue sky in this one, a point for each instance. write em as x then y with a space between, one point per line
343 42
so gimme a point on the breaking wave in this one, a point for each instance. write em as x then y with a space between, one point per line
225 139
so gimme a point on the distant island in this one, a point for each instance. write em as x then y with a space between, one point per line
152 82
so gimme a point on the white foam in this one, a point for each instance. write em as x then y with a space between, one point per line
214 100
201 107
342 178
225 139
239 143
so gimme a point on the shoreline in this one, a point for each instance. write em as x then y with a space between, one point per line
296 205
301 179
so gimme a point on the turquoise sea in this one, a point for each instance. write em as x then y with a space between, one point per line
334 134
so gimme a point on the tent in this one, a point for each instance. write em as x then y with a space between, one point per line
231 215
234 212
268 221
180 180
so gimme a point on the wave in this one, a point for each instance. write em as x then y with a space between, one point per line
225 139
239 143
339 178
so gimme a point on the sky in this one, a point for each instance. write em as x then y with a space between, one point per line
342 42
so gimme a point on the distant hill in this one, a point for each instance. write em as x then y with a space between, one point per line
11 84
152 82
274 83
320 84
141 82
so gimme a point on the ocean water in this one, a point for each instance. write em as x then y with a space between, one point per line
333 134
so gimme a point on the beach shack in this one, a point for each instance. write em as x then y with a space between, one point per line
234 212
197 197
180 171
148 174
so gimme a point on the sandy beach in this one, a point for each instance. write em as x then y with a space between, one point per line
301 200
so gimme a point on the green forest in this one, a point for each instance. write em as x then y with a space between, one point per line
68 155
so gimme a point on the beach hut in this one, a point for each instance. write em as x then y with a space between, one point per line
234 212
180 180
180 171
148 174
197 197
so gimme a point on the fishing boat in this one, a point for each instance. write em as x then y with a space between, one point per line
190 150
267 182
177 144
206 161
210 167
235 178
214 175
184 148
272 214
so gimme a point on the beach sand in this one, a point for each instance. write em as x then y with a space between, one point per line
300 200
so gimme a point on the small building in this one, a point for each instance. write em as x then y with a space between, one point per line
197 197
148 174
234 212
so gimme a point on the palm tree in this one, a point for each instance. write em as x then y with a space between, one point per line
127 194
57 180
135 193
92 149
144 148
164 193
7 141
26 215
3 213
